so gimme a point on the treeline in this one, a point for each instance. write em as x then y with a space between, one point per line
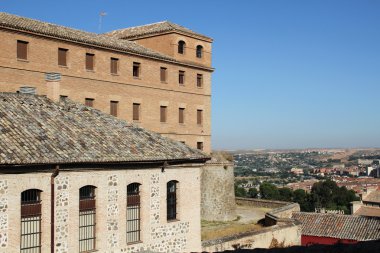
324 194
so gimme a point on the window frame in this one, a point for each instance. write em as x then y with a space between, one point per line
87 207
199 80
114 108
181 115
62 52
136 70
136 111
163 114
89 102
134 205
181 77
90 58
172 201
199 51
200 145
200 117
181 47
163 74
20 52
114 66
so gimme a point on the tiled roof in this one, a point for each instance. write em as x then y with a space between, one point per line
340 226
151 29
368 211
35 130
60 32
373 197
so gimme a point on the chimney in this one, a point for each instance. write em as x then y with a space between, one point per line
53 81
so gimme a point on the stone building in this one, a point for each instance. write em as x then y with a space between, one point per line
157 75
75 179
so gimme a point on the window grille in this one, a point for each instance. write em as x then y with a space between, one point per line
87 221
30 221
172 200
133 213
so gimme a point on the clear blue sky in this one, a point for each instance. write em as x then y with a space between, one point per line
289 74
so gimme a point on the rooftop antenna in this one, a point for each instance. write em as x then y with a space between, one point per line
101 15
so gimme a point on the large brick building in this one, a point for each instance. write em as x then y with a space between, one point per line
157 75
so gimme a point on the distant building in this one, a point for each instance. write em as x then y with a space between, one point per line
370 204
365 162
296 171
327 228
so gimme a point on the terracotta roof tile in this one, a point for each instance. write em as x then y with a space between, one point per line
35 130
373 197
151 29
368 211
340 226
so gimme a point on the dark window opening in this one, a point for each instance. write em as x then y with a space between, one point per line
199 80
133 213
136 111
163 74
87 221
163 113
199 117
62 57
90 61
114 65
199 51
136 69
171 200
181 77
181 115
22 50
113 108
200 145
30 221
181 47
89 102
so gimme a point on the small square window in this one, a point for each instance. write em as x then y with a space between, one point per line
89 102
200 145
136 69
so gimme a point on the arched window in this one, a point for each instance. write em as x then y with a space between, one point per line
133 213
181 47
87 221
199 51
171 199
30 221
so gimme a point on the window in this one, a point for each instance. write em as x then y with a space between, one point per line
163 74
199 80
181 115
133 213
163 113
181 47
90 61
136 111
22 50
199 117
200 145
199 51
63 98
171 200
136 69
87 215
181 77
114 65
30 221
62 57
113 108
89 102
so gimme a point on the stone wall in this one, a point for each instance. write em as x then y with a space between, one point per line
217 189
272 237
157 234
260 202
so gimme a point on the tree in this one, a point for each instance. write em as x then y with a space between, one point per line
269 191
286 194
253 192
240 192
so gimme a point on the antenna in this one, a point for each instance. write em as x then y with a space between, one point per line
101 15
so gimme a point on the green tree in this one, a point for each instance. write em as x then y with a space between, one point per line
253 192
269 191
240 192
286 194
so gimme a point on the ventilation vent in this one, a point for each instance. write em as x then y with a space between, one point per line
28 90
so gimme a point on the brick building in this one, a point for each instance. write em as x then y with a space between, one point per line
157 75
74 179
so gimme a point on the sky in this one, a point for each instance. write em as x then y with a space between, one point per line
288 74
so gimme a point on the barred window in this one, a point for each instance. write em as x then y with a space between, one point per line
87 221
133 213
171 200
30 221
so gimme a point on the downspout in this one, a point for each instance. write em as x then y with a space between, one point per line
52 215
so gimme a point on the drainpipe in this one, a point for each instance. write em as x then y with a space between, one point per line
52 215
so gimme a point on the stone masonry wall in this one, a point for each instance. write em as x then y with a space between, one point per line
218 196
